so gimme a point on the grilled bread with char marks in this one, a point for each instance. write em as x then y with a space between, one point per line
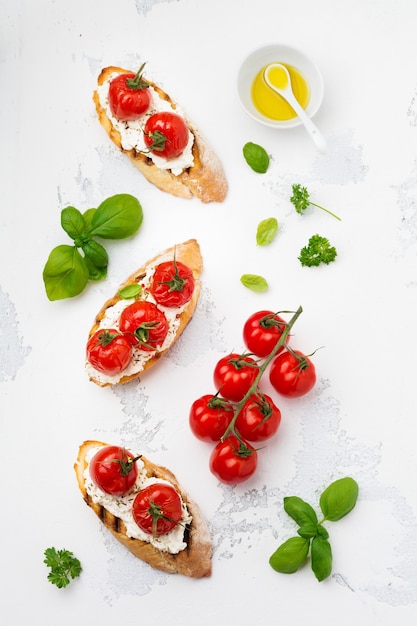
194 561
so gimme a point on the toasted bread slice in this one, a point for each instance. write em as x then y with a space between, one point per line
188 253
205 179
193 561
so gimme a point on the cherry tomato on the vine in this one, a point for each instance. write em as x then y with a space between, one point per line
292 374
259 418
261 332
109 351
210 416
157 509
113 469
144 324
234 375
129 96
166 134
233 461
172 284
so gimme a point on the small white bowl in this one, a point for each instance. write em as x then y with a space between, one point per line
277 53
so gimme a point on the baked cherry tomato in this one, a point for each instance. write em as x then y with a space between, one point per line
233 461
259 418
113 470
210 416
129 96
292 374
144 325
261 332
109 351
166 134
157 509
234 375
172 284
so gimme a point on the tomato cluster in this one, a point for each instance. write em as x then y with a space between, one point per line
142 324
165 133
240 414
156 509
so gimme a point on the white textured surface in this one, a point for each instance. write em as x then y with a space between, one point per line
360 419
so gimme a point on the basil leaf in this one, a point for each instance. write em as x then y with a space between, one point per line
256 157
72 222
117 217
307 530
290 555
322 532
130 291
300 511
65 273
267 229
88 216
321 558
339 499
254 282
95 252
95 273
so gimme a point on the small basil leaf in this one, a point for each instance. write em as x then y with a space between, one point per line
95 273
88 216
266 231
300 511
254 282
256 157
117 217
95 252
72 222
290 555
65 273
339 498
321 558
322 532
308 530
130 291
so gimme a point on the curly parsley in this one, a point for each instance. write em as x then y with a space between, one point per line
63 565
301 200
318 250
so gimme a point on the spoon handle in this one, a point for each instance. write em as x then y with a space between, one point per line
309 125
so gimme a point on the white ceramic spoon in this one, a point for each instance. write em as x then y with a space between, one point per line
278 78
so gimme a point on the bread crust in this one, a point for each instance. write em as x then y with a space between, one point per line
194 561
205 180
188 253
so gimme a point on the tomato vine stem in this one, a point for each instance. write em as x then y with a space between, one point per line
281 341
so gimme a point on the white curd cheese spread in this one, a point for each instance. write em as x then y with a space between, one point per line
139 357
121 507
131 132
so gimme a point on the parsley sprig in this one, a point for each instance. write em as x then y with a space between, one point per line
318 250
301 200
64 566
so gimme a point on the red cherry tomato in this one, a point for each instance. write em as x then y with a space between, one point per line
109 351
209 417
261 332
113 470
172 284
144 325
157 509
292 374
234 375
259 418
233 461
166 134
129 96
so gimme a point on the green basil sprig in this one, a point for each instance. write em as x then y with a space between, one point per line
336 501
254 282
69 268
256 157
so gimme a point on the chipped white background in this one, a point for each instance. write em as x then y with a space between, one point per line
360 419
